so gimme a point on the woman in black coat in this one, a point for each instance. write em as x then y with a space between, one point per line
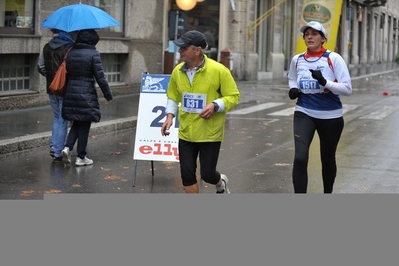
81 100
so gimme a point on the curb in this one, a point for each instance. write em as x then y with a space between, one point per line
43 139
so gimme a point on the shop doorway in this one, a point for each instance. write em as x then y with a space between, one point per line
203 17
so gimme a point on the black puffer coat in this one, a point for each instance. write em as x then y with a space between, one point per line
84 69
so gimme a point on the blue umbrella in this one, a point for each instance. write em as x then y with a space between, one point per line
79 17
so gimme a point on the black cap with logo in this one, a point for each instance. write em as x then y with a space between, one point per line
192 37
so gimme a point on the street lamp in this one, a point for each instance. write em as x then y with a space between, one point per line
186 5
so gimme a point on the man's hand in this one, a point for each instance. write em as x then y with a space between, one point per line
294 93
316 74
166 125
208 111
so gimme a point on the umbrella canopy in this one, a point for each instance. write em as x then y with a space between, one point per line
79 17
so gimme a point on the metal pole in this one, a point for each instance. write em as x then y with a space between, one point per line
176 33
246 52
135 173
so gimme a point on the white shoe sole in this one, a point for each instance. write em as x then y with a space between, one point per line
83 164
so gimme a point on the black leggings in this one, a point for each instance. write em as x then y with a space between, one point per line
329 131
79 132
208 157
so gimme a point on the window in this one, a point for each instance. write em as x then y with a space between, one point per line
16 16
112 67
116 9
204 17
14 73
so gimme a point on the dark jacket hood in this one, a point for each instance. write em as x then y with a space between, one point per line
60 40
88 36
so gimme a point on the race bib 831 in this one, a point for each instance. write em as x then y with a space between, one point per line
193 102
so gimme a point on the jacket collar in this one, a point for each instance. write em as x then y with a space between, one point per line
184 68
315 54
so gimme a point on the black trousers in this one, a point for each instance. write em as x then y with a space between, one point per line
329 131
208 155
79 132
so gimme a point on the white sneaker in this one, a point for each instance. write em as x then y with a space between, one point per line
225 180
83 162
66 155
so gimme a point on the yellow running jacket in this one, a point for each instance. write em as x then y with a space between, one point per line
214 80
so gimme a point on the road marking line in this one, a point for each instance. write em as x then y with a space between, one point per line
349 107
381 113
290 111
255 108
284 112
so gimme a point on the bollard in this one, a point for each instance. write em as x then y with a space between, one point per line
226 58
168 62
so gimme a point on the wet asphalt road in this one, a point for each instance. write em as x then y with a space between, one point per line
256 155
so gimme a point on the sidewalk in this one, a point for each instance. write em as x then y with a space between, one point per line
31 128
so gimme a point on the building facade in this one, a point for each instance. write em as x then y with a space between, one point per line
256 39
367 34
126 51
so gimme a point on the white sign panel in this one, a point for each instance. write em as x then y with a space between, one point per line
150 145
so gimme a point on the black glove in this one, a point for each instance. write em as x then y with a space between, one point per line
316 74
294 93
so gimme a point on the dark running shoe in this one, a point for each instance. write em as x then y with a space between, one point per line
52 152
57 160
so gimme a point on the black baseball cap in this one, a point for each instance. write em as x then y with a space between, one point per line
192 37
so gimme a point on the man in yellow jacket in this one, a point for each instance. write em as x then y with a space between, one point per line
206 91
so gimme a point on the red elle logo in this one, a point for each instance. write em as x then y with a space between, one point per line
162 149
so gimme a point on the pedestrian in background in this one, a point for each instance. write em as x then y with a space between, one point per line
49 61
317 78
206 91
81 100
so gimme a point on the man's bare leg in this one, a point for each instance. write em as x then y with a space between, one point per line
192 189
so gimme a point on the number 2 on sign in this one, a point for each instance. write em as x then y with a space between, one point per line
157 121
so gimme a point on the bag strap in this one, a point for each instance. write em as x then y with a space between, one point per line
67 52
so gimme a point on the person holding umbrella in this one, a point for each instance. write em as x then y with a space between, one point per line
49 61
81 100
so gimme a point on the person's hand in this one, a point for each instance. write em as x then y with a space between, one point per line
107 101
294 93
208 111
316 74
166 126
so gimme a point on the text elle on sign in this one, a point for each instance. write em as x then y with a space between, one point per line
164 149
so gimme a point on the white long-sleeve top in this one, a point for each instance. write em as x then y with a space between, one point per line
316 100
